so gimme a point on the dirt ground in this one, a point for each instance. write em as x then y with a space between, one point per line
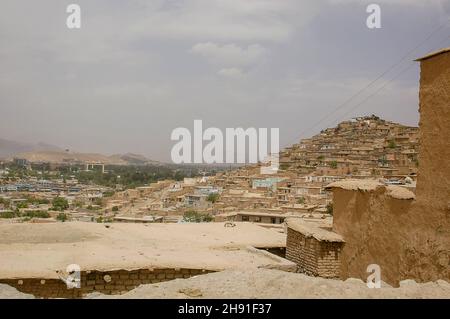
268 283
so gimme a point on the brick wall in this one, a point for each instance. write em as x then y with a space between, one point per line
313 257
118 282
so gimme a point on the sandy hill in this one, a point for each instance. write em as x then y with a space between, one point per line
75 157
8 148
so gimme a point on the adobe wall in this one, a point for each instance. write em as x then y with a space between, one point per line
433 182
393 232
374 226
120 282
428 256
409 238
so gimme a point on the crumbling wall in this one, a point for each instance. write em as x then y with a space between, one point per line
392 232
374 226
109 282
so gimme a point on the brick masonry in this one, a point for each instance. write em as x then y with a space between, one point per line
118 282
312 256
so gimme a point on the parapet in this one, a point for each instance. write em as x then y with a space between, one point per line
355 184
393 191
312 230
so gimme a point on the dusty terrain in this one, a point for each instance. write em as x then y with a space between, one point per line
38 250
266 283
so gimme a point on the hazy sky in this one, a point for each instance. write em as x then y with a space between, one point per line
138 69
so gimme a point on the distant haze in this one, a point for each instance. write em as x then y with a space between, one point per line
138 69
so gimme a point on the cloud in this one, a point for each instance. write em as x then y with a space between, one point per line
231 73
230 54
390 2
226 20
137 69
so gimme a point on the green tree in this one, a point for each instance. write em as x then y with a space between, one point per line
62 217
60 204
330 209
192 216
115 209
301 200
5 202
213 197
108 193
392 144
8 215
334 164
22 205
36 214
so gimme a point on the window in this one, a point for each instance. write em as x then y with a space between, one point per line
245 218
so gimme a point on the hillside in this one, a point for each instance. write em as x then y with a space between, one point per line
80 158
8 148
362 146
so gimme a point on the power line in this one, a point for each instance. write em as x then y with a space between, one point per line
377 91
371 83
383 86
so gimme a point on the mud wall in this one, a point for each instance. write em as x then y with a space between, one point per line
428 243
109 282
400 235
374 226
407 238
433 182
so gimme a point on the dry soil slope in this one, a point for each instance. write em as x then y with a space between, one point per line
266 283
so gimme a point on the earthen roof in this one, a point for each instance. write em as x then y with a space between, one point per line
311 229
433 54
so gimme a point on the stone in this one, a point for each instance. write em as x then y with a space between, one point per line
408 283
191 292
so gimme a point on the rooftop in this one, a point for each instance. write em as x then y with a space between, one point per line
433 54
39 250
313 229
394 191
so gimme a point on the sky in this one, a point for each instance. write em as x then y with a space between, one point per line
138 69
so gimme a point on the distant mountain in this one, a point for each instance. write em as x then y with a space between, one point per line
75 157
136 159
133 159
10 148
43 152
